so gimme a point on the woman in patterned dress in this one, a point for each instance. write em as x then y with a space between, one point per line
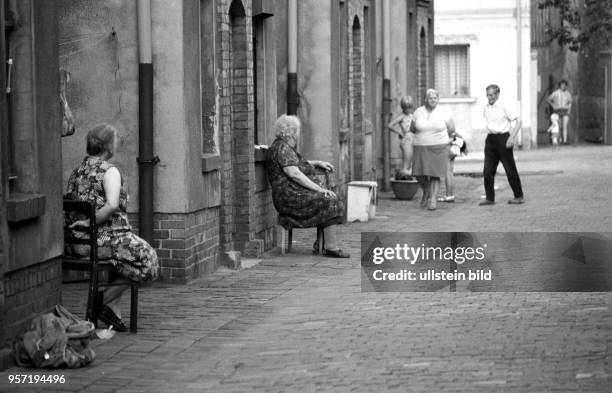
298 197
99 182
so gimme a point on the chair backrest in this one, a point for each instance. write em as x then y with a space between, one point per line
85 210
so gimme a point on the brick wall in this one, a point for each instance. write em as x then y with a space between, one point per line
265 218
28 293
186 243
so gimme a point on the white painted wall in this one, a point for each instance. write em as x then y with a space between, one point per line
490 29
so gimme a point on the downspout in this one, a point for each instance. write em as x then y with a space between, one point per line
146 160
386 107
292 82
519 63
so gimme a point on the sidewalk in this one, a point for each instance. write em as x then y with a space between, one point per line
300 323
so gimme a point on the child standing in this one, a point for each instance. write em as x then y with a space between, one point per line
401 126
553 130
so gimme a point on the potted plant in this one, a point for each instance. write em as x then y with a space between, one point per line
404 185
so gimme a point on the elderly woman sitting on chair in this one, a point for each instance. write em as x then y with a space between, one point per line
296 191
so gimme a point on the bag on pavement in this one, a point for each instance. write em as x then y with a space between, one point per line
55 340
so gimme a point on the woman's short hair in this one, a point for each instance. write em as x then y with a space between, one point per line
430 92
562 82
287 126
100 139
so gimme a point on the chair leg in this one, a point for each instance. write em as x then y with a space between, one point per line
91 296
134 309
289 239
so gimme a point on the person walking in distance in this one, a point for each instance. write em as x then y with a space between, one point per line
498 147
561 102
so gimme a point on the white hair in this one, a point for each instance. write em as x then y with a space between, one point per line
287 126
430 92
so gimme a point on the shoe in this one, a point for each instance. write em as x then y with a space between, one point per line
449 198
109 317
335 253
516 201
486 202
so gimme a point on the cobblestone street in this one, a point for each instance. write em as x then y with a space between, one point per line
300 323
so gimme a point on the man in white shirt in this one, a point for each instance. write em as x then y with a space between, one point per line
561 102
498 147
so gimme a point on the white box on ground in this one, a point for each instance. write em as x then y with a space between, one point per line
361 201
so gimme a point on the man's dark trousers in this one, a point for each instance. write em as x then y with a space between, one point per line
496 151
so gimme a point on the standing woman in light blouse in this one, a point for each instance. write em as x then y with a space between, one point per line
432 127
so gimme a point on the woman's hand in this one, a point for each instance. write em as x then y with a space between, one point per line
510 143
323 165
79 223
328 193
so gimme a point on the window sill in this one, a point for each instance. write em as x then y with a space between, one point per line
21 207
261 152
211 162
458 100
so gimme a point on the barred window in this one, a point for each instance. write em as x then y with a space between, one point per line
452 70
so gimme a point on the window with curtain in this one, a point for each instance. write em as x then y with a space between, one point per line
452 70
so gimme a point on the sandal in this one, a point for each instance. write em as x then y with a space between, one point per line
335 253
109 317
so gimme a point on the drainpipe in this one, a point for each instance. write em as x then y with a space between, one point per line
292 82
386 109
146 160
519 63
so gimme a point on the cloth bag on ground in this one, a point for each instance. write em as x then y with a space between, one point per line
55 340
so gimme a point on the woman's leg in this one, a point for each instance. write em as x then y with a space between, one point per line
424 184
112 294
329 232
434 186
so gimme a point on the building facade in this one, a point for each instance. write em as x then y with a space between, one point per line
478 43
221 77
587 72
31 235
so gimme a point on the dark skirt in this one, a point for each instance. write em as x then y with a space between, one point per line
430 160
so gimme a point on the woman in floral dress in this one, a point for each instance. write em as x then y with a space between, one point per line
99 182
298 197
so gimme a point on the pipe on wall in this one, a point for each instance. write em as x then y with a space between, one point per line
146 160
519 64
386 107
292 82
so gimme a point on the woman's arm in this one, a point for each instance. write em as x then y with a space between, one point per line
112 188
300 178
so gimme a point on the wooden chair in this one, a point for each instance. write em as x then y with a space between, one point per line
92 263
287 232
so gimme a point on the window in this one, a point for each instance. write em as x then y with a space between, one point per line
452 70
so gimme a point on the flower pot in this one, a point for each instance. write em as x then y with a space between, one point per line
404 189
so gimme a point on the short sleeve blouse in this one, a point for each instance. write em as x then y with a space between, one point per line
430 126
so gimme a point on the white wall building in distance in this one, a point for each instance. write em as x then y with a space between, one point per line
475 46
